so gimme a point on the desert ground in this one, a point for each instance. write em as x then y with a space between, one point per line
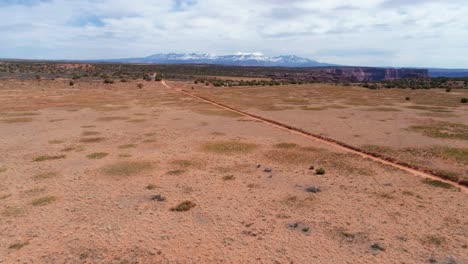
109 173
424 127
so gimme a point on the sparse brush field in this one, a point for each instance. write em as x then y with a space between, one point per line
194 183
430 130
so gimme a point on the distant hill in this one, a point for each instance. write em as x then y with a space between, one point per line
240 59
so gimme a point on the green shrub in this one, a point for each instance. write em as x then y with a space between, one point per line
320 171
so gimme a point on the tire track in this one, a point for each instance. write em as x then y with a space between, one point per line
411 168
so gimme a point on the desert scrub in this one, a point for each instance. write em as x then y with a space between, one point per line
151 186
111 118
127 146
97 155
92 140
18 245
176 172
284 145
56 141
46 175
320 171
127 168
377 247
44 200
14 211
290 156
184 206
90 133
46 158
228 147
439 184
443 130
229 178
17 120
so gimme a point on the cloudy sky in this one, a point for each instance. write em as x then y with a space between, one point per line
426 33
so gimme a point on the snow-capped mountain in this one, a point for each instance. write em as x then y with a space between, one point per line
239 59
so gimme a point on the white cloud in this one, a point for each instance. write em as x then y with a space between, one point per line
409 33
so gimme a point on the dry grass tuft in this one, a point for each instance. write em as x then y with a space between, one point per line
46 175
176 172
290 156
17 120
127 146
127 168
18 245
90 133
137 121
284 145
229 147
56 141
111 118
92 140
182 163
433 240
439 184
229 178
44 200
184 206
443 130
73 148
46 158
97 155
3 169
14 211
151 186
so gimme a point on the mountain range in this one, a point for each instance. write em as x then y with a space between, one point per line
239 59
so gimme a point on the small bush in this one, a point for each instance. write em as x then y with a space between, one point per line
97 155
407 98
320 171
140 86
127 168
464 100
229 178
46 157
44 200
92 140
439 184
184 206
108 81
448 90
377 247
18 245
46 175
151 186
158 198
229 147
13 212
71 83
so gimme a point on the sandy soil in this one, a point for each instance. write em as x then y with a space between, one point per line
382 121
63 200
